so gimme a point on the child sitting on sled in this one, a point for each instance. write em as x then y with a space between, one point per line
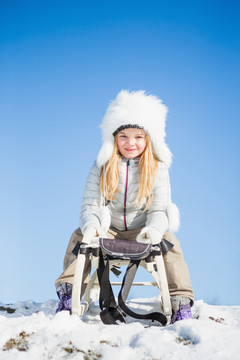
131 177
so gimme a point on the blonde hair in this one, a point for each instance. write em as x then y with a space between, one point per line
148 167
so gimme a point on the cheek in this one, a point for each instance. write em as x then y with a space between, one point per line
119 143
142 145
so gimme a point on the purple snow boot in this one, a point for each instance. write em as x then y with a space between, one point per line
64 292
181 308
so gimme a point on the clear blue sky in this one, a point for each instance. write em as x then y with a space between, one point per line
61 62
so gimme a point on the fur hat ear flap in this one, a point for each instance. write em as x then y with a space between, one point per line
105 152
163 153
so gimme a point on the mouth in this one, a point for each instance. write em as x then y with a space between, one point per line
130 150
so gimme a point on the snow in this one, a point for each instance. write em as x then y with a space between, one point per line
213 333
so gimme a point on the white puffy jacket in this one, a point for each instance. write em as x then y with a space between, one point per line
125 213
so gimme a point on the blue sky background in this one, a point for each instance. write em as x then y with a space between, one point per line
61 62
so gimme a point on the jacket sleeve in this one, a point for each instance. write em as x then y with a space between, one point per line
157 216
89 212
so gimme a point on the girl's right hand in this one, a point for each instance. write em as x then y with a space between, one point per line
89 235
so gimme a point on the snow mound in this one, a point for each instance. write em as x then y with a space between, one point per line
30 330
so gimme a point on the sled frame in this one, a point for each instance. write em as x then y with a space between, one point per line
156 268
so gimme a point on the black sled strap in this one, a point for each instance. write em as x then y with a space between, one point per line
110 313
122 296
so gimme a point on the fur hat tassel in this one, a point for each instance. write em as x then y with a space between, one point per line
173 217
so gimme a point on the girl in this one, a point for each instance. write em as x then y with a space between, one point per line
128 196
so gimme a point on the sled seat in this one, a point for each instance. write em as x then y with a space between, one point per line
99 253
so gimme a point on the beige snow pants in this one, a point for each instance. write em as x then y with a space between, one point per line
176 269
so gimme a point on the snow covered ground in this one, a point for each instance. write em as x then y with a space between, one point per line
33 331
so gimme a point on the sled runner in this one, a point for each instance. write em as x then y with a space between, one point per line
108 255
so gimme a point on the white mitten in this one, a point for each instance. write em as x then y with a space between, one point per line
89 236
149 235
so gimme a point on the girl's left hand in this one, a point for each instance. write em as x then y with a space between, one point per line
149 235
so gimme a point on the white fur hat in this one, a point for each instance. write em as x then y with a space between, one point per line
140 110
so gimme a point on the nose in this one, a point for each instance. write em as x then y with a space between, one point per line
131 141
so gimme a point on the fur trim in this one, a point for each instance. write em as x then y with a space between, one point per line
137 108
173 217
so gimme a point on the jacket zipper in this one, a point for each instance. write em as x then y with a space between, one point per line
125 198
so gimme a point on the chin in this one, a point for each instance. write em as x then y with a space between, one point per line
130 156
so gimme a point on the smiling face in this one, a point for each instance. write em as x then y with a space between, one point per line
131 142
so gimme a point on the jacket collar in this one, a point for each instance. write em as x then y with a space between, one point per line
134 161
